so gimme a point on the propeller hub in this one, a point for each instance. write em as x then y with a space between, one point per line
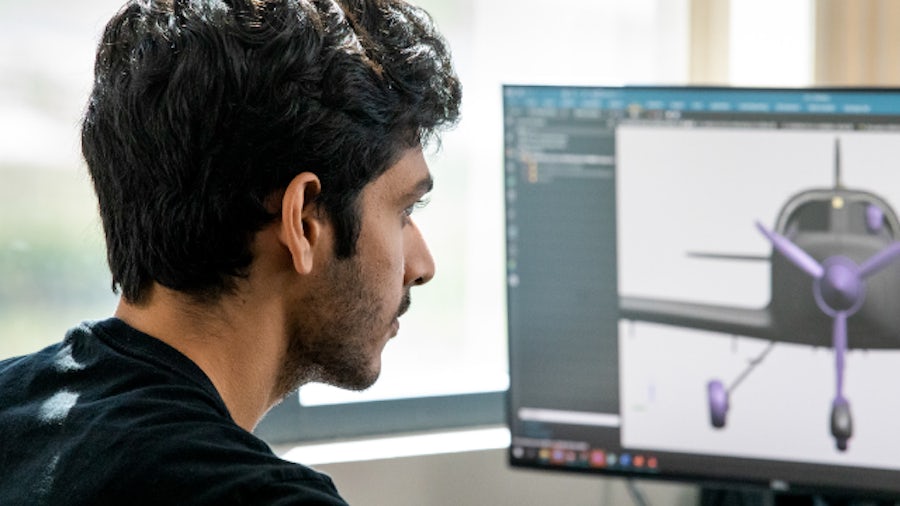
841 287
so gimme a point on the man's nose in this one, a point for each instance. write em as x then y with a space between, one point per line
419 262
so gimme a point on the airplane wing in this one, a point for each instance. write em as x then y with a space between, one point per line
811 330
725 319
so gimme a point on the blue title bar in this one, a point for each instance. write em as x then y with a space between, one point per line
719 100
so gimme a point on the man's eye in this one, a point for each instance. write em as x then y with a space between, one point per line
418 205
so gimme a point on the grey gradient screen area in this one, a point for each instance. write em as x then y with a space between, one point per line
656 331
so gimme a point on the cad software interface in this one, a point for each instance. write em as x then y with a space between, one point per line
658 198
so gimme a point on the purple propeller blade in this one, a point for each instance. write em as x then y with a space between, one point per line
880 260
840 349
792 252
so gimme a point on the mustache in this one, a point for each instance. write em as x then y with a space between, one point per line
405 302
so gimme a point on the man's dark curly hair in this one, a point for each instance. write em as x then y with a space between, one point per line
203 109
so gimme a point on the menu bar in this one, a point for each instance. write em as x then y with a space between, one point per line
849 101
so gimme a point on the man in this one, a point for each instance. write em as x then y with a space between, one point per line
256 163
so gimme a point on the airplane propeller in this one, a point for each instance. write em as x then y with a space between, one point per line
839 289
880 260
792 252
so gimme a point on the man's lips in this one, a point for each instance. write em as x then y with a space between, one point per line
405 302
395 327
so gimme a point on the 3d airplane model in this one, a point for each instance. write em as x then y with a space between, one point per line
834 281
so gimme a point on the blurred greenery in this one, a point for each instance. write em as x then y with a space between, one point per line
53 270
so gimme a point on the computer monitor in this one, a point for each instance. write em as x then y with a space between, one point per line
704 284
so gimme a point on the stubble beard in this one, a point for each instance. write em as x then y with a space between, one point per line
331 332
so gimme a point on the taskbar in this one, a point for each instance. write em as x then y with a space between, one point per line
576 455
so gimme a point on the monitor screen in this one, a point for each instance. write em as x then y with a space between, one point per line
704 283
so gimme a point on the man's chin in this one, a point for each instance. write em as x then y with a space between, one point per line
357 379
346 377
357 385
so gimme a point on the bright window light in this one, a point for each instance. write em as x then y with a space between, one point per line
397 447
772 42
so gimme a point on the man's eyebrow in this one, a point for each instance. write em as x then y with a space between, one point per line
422 187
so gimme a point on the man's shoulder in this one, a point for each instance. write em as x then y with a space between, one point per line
188 461
106 417
105 373
202 460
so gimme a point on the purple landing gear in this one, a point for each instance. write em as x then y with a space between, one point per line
717 394
841 423
718 403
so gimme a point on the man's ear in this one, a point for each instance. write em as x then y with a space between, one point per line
301 222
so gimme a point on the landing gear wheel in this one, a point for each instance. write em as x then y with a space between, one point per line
841 423
718 403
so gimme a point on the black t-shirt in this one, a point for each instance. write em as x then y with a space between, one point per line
113 416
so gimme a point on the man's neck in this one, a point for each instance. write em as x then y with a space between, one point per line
240 350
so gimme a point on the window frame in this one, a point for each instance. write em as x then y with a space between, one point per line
291 422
